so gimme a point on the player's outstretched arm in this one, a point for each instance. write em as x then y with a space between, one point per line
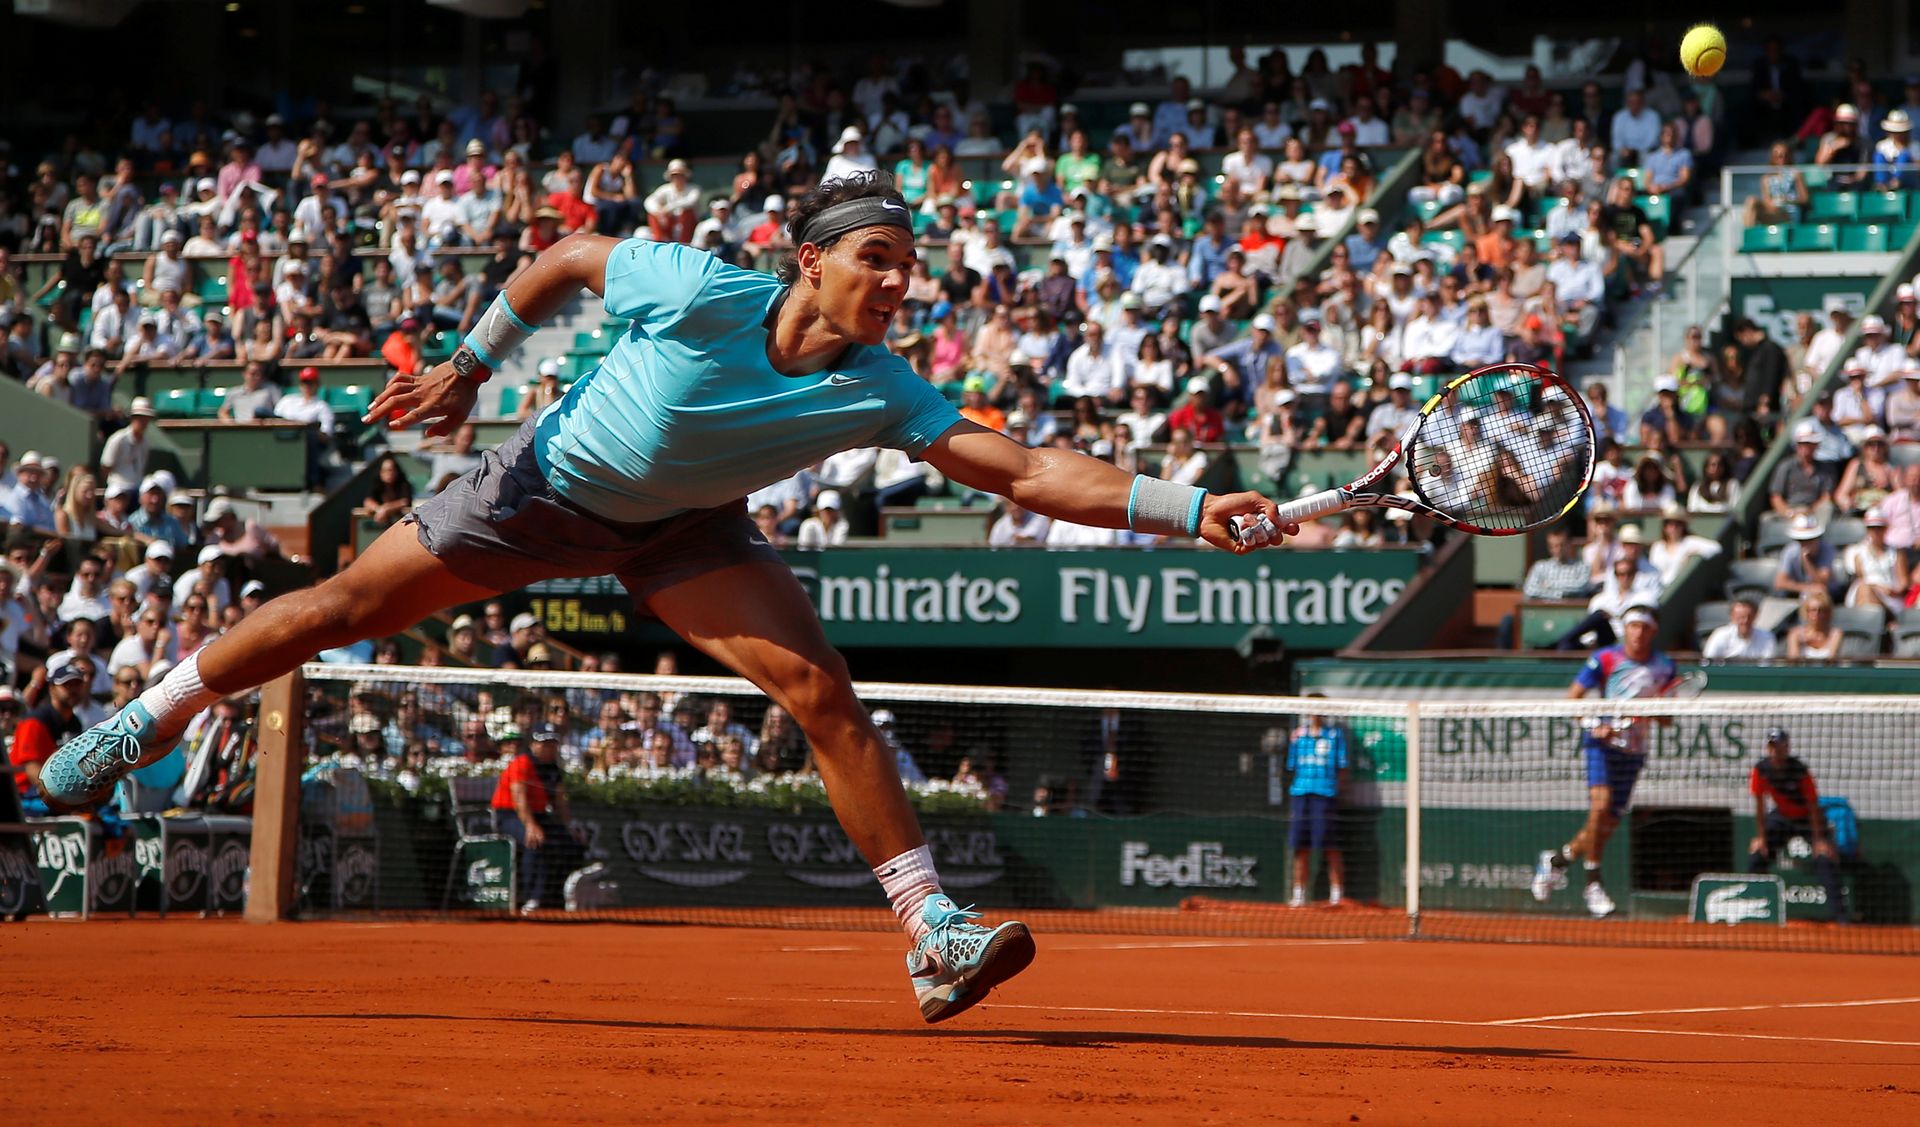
1073 487
446 393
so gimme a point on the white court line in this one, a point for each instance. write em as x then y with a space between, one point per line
1207 943
1711 1010
1275 1016
1172 945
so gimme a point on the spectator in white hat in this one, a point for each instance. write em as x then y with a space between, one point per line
714 234
1883 360
234 535
770 234
209 579
1212 331
1842 145
673 208
1879 572
26 503
544 390
1905 325
123 457
157 565
1807 564
1901 408
849 155
1800 485
826 527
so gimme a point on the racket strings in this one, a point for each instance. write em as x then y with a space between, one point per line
1501 451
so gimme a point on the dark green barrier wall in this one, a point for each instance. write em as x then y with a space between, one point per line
980 597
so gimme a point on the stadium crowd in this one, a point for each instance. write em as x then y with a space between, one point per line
1096 290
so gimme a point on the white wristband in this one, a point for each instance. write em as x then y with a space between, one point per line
1165 508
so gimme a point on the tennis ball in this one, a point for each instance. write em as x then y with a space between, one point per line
1704 51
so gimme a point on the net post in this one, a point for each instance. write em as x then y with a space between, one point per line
1413 819
282 751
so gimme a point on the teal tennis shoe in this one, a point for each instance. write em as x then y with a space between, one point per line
86 767
958 962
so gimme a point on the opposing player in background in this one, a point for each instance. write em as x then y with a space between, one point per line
728 381
1615 748
1317 760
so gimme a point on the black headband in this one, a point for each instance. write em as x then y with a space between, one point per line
852 215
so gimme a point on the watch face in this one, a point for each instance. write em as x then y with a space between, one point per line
464 362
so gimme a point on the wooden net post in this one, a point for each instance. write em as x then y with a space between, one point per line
282 752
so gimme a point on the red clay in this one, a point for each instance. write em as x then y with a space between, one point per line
185 1021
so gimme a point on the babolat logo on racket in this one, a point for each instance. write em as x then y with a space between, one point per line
1205 864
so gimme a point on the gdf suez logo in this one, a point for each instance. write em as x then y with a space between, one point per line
1205 864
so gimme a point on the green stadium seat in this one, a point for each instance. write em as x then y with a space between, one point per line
208 401
1803 237
1770 239
177 403
1828 207
1882 207
584 341
1659 211
351 400
1543 624
1450 238
437 348
509 401
1427 209
1902 232
1865 237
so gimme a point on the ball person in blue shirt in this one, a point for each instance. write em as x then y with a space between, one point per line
726 381
1317 760
1615 750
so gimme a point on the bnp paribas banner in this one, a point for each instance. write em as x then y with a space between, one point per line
1190 599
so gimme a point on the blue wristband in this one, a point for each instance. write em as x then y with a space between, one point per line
506 307
477 349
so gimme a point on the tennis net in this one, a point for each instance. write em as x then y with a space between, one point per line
694 799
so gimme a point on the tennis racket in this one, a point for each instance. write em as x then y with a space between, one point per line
1683 687
1496 452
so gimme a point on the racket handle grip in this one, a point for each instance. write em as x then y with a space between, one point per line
1318 505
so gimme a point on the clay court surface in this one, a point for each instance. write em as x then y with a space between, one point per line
200 1021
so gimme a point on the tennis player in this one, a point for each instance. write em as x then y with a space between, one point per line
1615 753
728 381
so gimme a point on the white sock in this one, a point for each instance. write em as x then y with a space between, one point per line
178 696
909 880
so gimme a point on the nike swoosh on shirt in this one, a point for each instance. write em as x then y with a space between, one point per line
840 379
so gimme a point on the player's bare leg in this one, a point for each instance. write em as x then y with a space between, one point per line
756 619
1587 846
395 584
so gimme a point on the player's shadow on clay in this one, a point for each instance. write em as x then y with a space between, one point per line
1057 1038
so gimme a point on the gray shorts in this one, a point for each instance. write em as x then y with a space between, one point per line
502 526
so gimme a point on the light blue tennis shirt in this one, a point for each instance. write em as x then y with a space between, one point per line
686 412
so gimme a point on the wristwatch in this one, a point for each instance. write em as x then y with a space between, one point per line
465 363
